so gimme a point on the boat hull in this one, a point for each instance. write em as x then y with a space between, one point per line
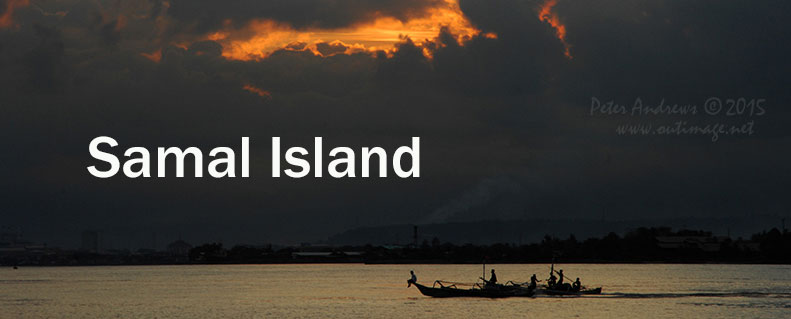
552 292
499 292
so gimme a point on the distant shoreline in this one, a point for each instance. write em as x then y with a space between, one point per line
642 246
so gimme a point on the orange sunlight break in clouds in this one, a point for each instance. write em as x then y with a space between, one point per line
545 14
258 91
6 18
260 38
155 56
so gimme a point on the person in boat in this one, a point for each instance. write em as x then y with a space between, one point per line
576 286
552 280
492 282
533 282
412 280
560 277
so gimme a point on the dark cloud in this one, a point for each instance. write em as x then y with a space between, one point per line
209 48
209 15
327 49
45 63
681 48
110 33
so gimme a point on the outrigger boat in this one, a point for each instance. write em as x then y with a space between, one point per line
565 289
444 289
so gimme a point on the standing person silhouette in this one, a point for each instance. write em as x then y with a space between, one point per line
560 277
533 282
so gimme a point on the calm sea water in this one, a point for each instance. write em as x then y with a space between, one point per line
379 291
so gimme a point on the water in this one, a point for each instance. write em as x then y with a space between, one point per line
379 291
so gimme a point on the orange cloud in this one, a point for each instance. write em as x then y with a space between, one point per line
546 14
490 35
155 56
6 18
262 37
258 91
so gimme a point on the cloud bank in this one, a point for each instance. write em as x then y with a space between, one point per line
502 111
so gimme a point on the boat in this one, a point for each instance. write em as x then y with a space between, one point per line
444 289
564 289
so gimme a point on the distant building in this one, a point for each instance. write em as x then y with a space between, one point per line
90 241
179 248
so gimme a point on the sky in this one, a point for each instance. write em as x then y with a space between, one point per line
501 93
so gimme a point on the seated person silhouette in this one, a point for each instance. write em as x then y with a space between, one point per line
576 286
492 282
412 280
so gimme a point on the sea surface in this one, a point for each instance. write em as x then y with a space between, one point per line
379 291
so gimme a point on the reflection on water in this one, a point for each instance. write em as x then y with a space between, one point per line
342 291
696 294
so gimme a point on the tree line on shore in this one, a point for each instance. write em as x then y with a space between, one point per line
642 245
659 244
